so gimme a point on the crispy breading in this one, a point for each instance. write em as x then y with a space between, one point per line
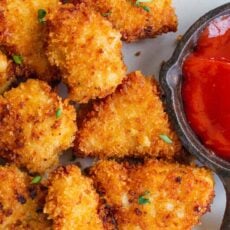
87 50
72 201
22 34
137 20
127 123
21 202
7 75
36 125
154 195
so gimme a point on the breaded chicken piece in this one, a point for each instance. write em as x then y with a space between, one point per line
87 50
72 201
35 126
22 35
21 202
154 195
7 75
137 19
130 122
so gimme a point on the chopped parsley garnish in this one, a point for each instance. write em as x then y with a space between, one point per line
36 180
143 199
41 15
106 14
58 113
166 139
146 8
18 59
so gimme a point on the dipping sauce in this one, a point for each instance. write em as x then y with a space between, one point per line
206 87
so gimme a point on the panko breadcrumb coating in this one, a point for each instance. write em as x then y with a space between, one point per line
71 201
21 202
154 195
137 20
87 50
7 75
22 34
129 122
35 126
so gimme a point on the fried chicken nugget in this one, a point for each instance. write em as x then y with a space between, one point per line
87 50
154 195
137 19
71 201
35 126
21 203
130 122
7 75
22 35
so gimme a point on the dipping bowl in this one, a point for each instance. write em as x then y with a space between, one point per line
171 82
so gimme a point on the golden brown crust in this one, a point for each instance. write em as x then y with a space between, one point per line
134 22
7 73
22 34
87 50
128 123
32 135
21 203
72 202
154 195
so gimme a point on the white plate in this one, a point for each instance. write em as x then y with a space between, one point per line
153 52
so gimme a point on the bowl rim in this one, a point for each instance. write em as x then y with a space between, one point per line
187 136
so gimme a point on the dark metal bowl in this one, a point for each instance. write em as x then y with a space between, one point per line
171 80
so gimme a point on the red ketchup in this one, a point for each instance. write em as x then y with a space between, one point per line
206 87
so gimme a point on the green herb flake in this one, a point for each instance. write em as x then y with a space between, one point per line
58 113
41 15
37 179
106 14
146 8
18 59
166 139
142 200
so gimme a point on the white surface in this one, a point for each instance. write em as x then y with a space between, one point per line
153 52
